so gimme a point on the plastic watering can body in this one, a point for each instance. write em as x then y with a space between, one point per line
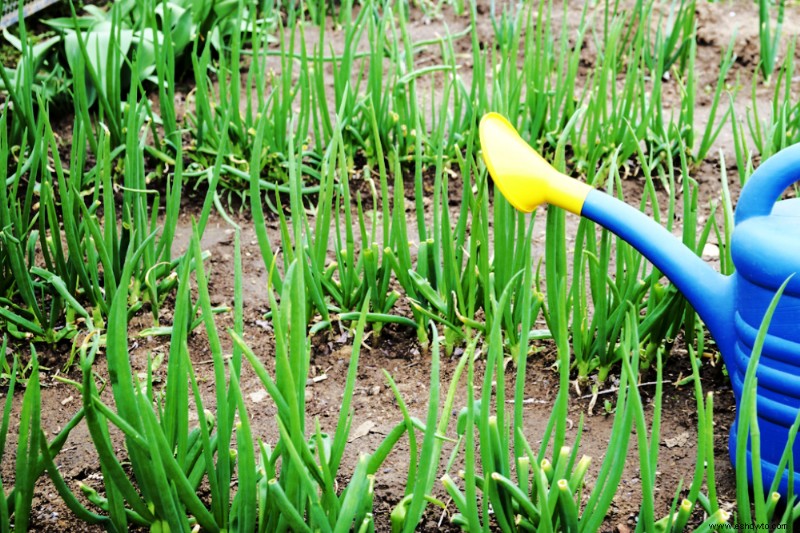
765 247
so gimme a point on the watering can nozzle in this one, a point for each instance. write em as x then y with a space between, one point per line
527 180
765 249
521 174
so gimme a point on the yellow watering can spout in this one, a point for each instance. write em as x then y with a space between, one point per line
521 174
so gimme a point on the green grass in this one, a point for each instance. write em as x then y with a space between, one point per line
286 130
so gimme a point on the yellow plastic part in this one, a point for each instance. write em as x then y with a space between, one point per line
523 176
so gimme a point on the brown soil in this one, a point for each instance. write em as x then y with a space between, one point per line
397 351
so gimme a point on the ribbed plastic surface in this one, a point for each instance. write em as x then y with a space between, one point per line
766 251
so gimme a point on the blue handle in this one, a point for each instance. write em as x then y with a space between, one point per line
767 183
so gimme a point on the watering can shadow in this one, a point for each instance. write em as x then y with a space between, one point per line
765 248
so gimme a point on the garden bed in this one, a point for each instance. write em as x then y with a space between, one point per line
396 348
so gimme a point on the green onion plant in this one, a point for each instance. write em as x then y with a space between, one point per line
769 37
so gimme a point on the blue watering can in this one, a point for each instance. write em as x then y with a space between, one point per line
765 248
